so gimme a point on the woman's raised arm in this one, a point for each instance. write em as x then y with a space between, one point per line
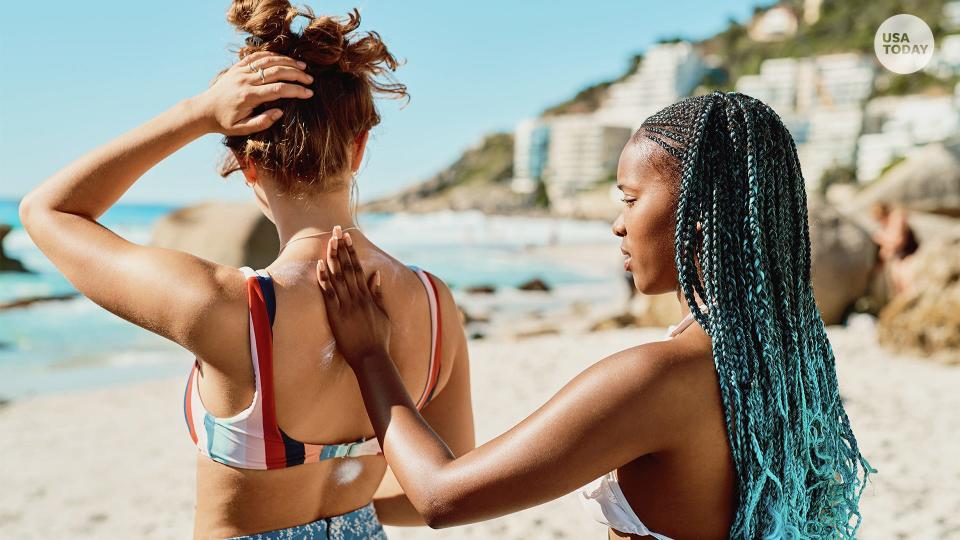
164 291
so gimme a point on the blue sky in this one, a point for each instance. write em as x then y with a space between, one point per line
76 74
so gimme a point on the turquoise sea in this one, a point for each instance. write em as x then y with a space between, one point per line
74 344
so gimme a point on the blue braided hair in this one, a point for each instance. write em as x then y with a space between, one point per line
796 458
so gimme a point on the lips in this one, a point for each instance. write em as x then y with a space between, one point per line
626 261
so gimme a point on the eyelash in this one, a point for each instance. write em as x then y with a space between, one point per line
628 202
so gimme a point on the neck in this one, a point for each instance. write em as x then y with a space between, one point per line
684 308
319 214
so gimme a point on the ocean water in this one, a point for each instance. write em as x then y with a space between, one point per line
74 344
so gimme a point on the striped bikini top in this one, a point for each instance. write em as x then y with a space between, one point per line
252 439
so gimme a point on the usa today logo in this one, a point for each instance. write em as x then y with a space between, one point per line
904 44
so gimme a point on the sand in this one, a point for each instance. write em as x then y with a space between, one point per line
117 462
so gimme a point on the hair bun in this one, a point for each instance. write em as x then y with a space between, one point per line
324 42
265 19
308 150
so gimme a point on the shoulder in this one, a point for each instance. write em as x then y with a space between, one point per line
223 288
221 313
453 345
666 360
443 292
438 289
668 381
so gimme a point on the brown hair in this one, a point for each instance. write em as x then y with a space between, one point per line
308 149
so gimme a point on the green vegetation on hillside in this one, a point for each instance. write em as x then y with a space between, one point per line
489 161
590 98
843 26
480 176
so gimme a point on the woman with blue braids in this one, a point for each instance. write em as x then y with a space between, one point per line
731 426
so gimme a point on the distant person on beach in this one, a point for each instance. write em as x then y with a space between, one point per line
730 426
897 243
285 446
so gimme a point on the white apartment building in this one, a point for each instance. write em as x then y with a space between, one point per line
946 57
582 151
668 73
820 100
776 23
572 152
895 124
776 84
523 146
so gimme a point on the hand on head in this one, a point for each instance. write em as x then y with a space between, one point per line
227 106
354 303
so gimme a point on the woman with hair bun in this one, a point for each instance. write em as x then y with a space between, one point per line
285 449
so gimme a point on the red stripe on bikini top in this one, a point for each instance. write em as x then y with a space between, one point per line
274 451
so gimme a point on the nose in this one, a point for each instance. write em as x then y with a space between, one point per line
619 229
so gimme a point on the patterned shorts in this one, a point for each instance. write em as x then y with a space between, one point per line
360 524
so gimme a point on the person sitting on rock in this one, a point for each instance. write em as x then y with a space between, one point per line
897 242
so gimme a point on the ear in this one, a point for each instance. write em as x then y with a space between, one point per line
359 147
248 169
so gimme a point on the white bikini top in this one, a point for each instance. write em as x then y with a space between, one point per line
603 499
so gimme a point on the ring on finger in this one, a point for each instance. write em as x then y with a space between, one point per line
253 68
263 80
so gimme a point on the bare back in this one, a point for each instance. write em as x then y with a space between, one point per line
317 400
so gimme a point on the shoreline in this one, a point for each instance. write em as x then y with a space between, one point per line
85 464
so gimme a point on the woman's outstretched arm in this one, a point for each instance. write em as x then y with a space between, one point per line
450 414
162 290
619 409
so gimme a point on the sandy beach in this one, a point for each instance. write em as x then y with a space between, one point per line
117 463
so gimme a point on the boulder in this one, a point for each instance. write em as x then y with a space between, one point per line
480 289
927 227
615 322
842 258
8 264
925 319
233 234
928 180
535 284
31 300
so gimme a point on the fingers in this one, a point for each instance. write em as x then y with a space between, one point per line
278 90
356 281
333 266
265 59
346 264
376 291
256 123
280 73
326 287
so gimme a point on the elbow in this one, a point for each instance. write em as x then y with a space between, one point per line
32 211
436 519
27 211
440 514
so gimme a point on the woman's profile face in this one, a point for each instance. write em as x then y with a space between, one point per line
647 221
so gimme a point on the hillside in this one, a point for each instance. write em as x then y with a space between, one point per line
843 26
478 180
